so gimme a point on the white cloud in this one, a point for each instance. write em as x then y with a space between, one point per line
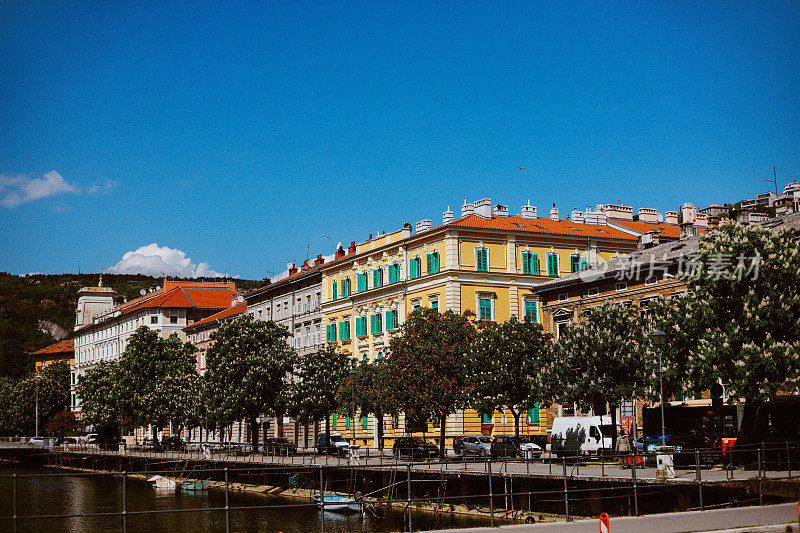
109 184
21 189
155 260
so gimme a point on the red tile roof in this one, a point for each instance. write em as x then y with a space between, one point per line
667 230
59 347
541 225
198 295
225 313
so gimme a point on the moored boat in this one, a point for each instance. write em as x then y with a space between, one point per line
194 485
340 504
161 482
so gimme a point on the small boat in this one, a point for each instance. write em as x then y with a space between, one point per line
194 486
340 504
161 482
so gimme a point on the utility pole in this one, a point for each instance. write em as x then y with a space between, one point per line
775 179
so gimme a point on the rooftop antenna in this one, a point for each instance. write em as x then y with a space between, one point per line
775 179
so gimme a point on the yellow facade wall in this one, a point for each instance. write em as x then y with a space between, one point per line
502 300
424 297
497 255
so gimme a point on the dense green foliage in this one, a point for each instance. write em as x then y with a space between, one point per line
18 398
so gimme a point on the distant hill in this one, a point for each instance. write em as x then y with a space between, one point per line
38 310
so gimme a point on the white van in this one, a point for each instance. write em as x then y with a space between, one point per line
581 435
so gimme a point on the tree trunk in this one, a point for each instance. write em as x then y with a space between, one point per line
379 421
327 433
254 433
516 415
613 427
442 431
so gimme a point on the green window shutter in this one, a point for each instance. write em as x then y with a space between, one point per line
335 295
394 273
364 421
395 422
380 356
530 310
429 261
574 263
481 260
333 421
377 278
331 332
389 326
526 263
416 268
361 326
486 418
347 422
435 305
533 414
552 264
584 263
535 264
485 308
344 330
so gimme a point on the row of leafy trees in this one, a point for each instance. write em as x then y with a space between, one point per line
742 330
18 400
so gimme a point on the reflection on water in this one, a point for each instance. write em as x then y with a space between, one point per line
77 493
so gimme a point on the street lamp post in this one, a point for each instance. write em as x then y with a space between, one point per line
353 392
37 405
659 340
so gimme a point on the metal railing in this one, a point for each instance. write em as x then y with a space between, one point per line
773 461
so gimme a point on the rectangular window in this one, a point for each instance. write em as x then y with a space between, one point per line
333 290
486 418
344 330
364 421
552 264
377 324
485 308
346 289
584 263
531 310
331 332
533 414
415 268
621 286
563 297
347 421
391 320
650 281
433 262
361 326
377 278
574 262
594 291
435 305
530 263
333 421
362 282
394 273
481 259
173 318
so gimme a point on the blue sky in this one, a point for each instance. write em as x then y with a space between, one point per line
241 135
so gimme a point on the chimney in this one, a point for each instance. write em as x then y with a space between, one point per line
648 240
483 208
406 231
467 209
687 230
671 217
339 253
648 215
423 225
701 220
576 216
304 266
528 210
618 211
292 269
319 260
554 212
688 213
501 210
447 216
352 248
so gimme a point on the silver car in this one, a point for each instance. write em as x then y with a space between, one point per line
477 445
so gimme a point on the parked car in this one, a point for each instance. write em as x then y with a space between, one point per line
511 446
337 444
61 441
173 442
528 449
477 445
414 447
37 441
149 442
582 435
279 445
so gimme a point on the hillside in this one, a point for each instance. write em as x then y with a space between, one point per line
31 304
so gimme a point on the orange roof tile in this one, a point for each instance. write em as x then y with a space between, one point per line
667 230
541 225
59 347
225 313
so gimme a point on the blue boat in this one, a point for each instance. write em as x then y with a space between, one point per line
339 504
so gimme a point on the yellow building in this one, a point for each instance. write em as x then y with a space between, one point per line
486 262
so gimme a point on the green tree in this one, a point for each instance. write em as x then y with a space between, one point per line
602 359
51 386
62 423
504 365
7 407
101 394
157 378
317 376
248 371
745 287
371 396
426 372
